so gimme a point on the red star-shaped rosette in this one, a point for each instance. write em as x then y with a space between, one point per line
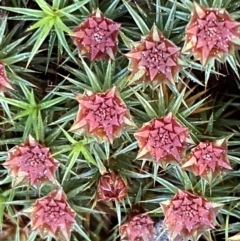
208 159
31 163
154 60
188 216
102 115
163 140
139 226
211 34
96 38
52 216
111 187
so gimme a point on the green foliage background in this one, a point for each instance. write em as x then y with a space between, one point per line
46 72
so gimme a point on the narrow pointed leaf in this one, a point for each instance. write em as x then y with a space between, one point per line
170 21
87 155
147 107
108 76
25 11
17 103
3 28
91 76
43 33
45 7
49 103
138 20
73 7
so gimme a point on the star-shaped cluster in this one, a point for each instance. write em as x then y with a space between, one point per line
31 163
52 215
111 187
103 115
210 33
96 38
162 139
154 59
188 215
139 226
208 159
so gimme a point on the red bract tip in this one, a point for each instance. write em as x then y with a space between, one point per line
211 34
52 215
103 115
111 187
154 59
163 140
31 163
4 82
188 216
96 38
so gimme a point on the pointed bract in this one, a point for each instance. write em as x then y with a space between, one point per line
211 34
103 115
96 38
52 215
31 163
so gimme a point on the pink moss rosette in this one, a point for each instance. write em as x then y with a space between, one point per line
163 140
154 59
52 215
96 38
188 216
211 33
102 115
208 160
138 227
31 163
111 187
